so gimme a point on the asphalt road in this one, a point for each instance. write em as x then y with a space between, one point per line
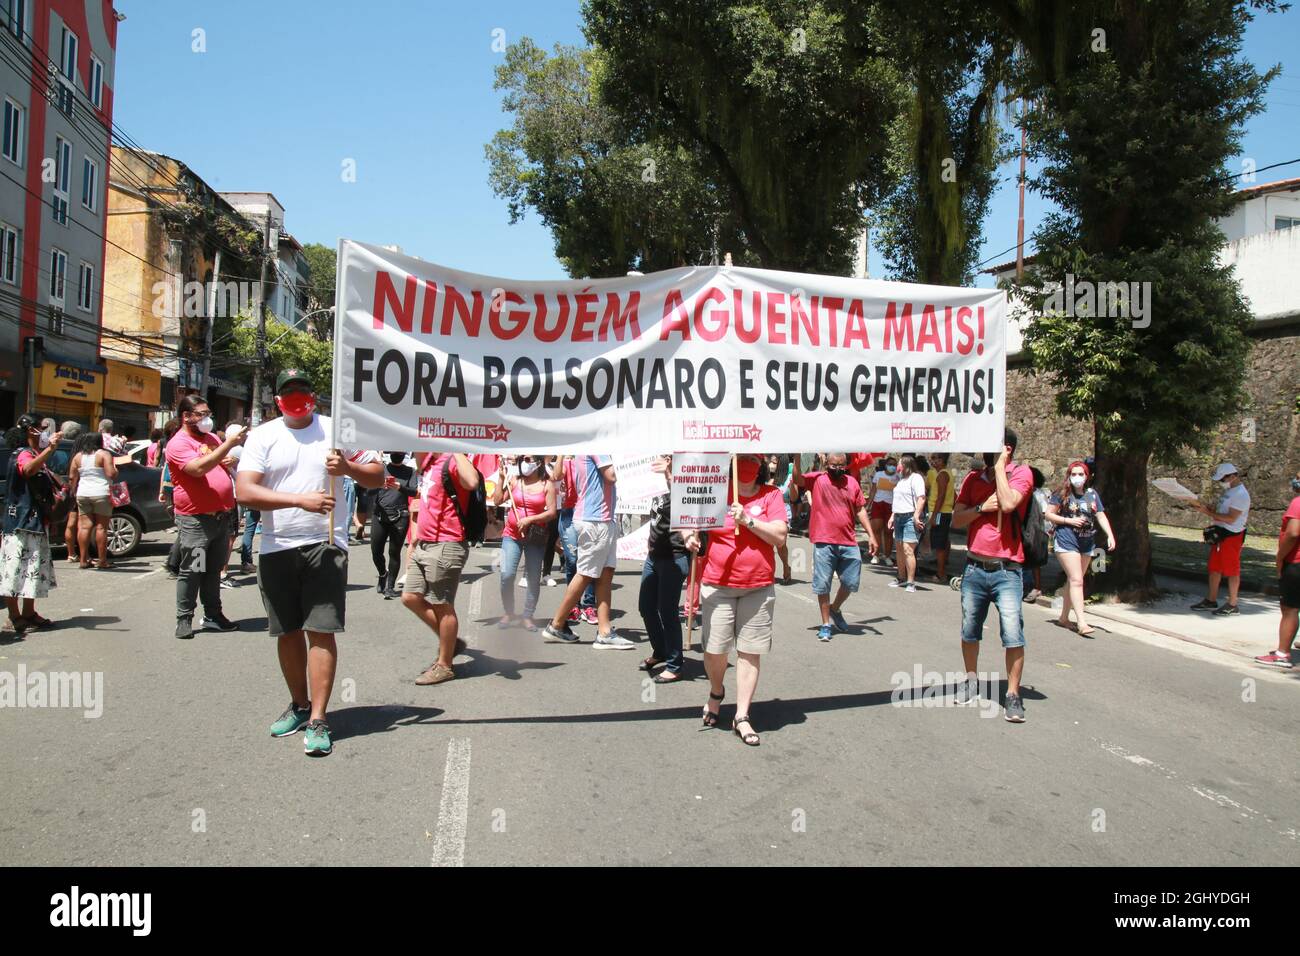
1137 749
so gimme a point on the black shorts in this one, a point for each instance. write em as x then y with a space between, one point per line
940 531
304 588
1289 584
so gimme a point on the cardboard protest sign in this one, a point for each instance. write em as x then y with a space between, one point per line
702 358
701 489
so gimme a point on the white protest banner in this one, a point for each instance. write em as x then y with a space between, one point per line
709 357
701 484
635 546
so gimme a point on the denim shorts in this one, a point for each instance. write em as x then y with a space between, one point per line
842 559
905 528
980 589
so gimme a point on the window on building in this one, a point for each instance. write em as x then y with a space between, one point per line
13 132
89 183
58 275
10 244
69 54
96 82
16 17
1286 222
85 286
62 174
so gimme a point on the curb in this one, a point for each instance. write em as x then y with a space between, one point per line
1093 612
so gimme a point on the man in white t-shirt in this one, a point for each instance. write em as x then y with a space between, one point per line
290 473
1229 516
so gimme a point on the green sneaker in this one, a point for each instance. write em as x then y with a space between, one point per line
316 739
291 721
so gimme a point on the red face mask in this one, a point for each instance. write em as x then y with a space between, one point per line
296 404
747 470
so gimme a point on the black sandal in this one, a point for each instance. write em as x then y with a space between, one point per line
663 678
750 739
710 718
648 664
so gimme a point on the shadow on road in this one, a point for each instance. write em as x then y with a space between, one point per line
377 719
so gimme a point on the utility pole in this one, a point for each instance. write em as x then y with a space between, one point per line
1020 224
261 323
207 335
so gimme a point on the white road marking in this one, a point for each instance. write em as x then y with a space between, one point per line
453 812
786 592
149 574
475 599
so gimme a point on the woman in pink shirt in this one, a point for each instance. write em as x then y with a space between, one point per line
737 597
530 509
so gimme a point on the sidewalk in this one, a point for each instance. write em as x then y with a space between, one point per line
1246 635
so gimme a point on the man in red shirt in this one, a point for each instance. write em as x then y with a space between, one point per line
1288 572
993 503
837 504
438 555
204 497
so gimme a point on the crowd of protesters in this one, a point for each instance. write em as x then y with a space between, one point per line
285 480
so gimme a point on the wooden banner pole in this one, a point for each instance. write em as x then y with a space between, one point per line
690 611
735 489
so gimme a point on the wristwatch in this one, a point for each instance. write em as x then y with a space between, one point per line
749 521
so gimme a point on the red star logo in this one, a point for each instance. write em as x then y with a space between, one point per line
753 433
498 432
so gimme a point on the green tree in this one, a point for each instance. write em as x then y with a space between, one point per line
615 198
790 109
323 262
1140 106
286 347
946 143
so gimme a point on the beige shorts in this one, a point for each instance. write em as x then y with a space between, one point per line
597 547
434 572
101 506
737 616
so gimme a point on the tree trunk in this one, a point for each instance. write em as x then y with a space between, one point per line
1122 483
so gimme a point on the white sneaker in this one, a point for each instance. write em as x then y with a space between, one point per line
910 589
895 583
549 582
876 561
613 641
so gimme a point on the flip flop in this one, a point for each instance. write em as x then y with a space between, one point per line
661 679
1055 622
1088 633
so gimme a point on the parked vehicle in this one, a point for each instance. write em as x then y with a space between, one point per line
143 514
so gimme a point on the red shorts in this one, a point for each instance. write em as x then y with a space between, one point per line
881 510
1225 557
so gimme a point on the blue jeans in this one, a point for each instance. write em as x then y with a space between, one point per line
569 542
979 589
511 552
842 559
661 586
251 520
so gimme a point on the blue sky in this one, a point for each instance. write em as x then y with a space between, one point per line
287 91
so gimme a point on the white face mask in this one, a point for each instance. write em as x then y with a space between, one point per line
204 424
527 468
1225 484
1077 481
44 440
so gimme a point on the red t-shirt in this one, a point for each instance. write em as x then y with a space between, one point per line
744 560
1292 513
835 504
570 486
983 537
528 500
208 494
438 520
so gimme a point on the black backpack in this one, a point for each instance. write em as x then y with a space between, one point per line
475 520
1032 533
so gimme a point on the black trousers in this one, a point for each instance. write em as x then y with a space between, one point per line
390 535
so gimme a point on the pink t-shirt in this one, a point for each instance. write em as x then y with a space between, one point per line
208 494
835 504
438 519
1292 513
528 500
745 560
983 537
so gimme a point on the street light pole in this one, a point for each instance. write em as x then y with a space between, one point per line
256 417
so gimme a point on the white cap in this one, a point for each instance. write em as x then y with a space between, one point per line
1223 471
